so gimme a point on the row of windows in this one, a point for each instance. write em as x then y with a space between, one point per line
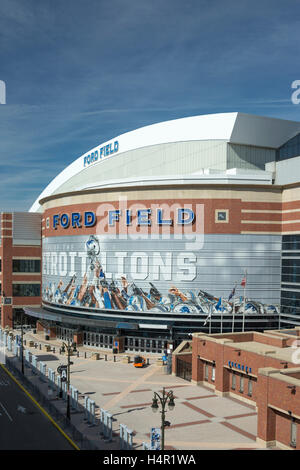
290 238
291 270
26 266
26 290
290 310
291 254
206 373
233 380
241 383
290 278
291 246
290 295
291 262
291 304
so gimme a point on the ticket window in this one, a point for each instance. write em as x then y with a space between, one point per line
293 433
233 381
206 372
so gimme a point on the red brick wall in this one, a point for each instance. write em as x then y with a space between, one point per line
7 252
270 340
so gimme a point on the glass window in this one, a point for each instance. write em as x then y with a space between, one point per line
293 433
249 387
233 381
241 384
26 265
26 290
206 372
213 374
291 262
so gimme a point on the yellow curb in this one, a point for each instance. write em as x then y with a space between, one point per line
41 408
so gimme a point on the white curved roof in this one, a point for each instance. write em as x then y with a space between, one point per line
229 127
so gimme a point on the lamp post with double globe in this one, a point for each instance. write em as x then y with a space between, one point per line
70 348
167 398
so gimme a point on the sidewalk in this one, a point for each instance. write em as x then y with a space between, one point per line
200 420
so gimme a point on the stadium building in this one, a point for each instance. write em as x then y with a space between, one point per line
182 226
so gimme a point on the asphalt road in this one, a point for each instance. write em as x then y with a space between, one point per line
22 425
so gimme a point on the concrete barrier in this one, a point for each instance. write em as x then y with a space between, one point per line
95 356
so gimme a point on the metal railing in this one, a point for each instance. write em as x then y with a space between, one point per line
83 442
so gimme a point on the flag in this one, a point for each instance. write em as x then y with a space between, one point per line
243 283
219 303
232 293
209 315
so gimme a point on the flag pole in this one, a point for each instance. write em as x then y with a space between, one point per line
221 328
244 300
211 307
233 309
221 321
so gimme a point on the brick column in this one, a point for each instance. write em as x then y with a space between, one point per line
52 332
266 417
6 267
222 375
197 364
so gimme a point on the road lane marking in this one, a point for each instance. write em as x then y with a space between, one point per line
40 407
6 412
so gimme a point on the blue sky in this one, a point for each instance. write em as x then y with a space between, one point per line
78 73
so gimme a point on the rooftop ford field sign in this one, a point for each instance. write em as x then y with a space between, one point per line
183 216
100 153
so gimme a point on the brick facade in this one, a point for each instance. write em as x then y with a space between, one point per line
8 252
257 368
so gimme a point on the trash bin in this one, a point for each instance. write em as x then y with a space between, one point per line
47 337
34 332
115 350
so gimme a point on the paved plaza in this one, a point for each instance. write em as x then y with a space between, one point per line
200 419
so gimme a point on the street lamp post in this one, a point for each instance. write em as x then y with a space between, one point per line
22 344
70 347
164 399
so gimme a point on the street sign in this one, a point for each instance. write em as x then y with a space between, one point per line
155 436
63 375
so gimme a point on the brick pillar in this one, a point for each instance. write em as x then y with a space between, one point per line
78 338
6 263
39 327
197 364
266 417
222 382
52 332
